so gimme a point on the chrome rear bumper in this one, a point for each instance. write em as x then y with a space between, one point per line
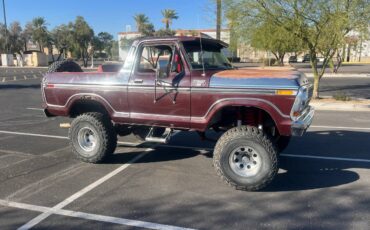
300 125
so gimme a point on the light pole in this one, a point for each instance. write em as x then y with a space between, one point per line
6 28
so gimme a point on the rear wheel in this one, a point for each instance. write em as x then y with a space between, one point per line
245 158
92 137
64 66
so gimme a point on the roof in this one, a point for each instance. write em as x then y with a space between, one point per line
179 30
181 39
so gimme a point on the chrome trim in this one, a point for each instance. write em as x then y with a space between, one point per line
68 86
239 91
151 88
119 114
246 98
163 116
181 89
300 125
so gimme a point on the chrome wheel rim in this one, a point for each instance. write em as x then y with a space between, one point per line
245 161
87 139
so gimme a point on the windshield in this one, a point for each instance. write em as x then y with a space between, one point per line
211 55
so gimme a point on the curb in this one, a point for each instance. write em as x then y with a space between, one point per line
340 106
333 75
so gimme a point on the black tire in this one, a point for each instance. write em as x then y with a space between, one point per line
64 66
250 138
282 143
103 132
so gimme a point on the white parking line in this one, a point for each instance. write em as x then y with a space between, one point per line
80 193
32 134
14 78
38 109
25 77
338 127
3 79
325 158
131 144
89 216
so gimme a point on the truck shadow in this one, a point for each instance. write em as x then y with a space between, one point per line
309 173
20 86
295 173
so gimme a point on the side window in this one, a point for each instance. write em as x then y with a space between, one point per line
151 55
177 65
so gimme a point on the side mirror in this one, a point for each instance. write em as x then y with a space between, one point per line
162 70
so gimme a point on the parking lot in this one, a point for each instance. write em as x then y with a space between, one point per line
323 181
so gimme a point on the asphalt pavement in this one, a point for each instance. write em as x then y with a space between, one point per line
323 182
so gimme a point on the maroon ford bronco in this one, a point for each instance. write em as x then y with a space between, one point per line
184 84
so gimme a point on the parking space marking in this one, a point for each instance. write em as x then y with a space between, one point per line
338 127
326 158
132 144
82 192
14 78
32 134
38 109
89 216
25 77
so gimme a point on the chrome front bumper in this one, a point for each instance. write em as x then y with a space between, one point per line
300 125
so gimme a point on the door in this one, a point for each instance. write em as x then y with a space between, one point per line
167 104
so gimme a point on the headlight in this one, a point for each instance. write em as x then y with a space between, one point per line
300 103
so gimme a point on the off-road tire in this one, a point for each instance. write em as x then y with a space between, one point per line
104 132
64 66
245 136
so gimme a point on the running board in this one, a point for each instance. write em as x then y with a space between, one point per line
163 139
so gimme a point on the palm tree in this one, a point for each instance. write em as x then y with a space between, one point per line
40 32
168 16
141 21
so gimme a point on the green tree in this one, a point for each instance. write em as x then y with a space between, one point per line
15 38
276 39
82 37
27 34
168 16
106 42
2 38
114 50
165 33
126 43
319 24
62 39
143 25
39 32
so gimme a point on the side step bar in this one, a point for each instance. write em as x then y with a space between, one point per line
162 139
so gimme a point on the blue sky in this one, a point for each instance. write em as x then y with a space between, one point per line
111 15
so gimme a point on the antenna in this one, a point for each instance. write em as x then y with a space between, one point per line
201 49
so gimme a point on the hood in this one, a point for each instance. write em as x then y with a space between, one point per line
259 78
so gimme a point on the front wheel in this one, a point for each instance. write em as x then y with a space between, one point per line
245 158
92 137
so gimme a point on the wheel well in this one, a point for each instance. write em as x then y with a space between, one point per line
229 116
84 106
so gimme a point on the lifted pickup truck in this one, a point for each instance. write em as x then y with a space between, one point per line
184 83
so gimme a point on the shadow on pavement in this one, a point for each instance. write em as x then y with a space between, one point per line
297 173
20 86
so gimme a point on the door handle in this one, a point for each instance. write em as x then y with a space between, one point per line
138 81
